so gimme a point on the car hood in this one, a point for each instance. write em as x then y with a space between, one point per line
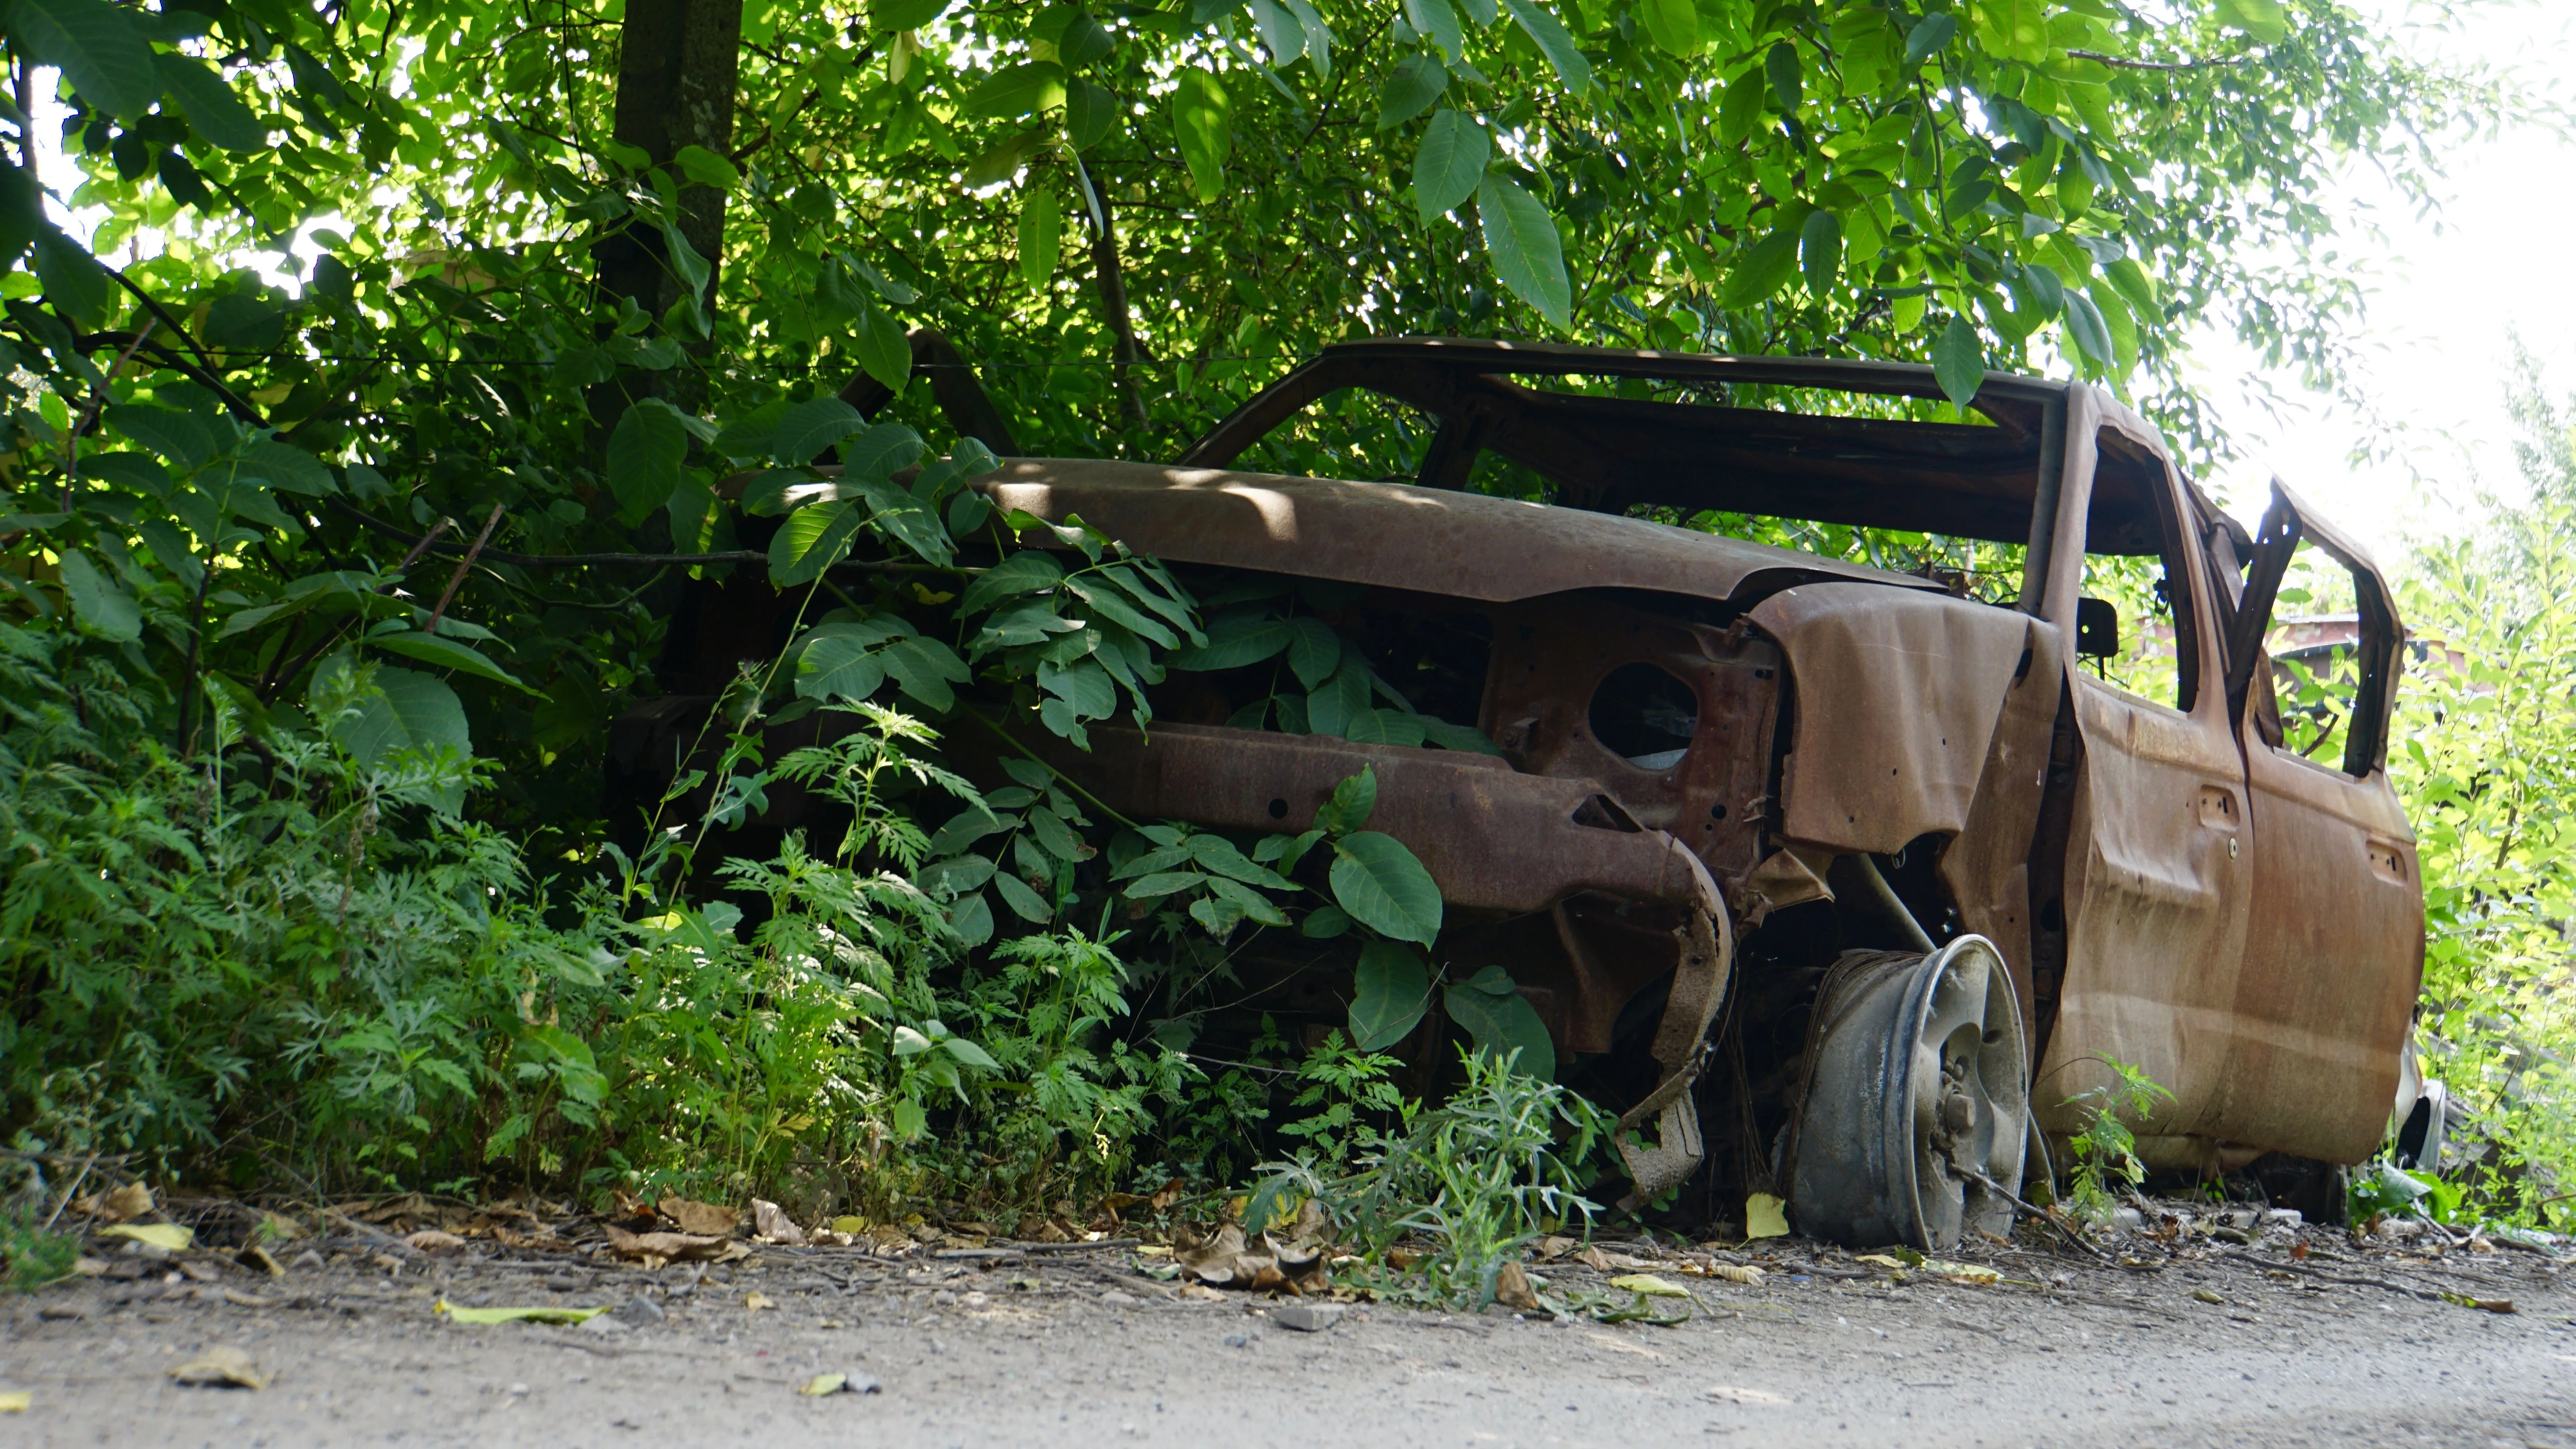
1392 535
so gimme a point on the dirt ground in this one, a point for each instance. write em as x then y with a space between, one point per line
2183 1340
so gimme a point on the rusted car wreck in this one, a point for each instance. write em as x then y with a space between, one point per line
1835 879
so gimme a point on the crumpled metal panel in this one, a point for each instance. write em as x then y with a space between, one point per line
1389 535
1896 702
1987 868
1493 839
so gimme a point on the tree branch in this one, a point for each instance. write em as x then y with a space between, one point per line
2122 62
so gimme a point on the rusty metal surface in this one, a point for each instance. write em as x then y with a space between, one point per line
1493 839
1393 536
1550 659
1897 700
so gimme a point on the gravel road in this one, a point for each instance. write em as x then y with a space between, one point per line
1076 1348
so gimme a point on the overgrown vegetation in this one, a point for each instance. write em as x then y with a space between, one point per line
2106 1151
401 367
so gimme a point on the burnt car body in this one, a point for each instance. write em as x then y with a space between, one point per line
1899 877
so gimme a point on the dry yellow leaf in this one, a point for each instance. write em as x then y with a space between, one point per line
757 1301
1735 1274
821 1384
1765 1216
16 1401
169 1236
1650 1285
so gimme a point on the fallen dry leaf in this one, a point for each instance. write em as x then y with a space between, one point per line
1962 1272
853 1226
1765 1216
258 1260
1650 1285
703 1219
1512 1289
754 1302
655 1249
126 1203
1554 1247
221 1366
169 1236
1880 1260
821 1384
431 1240
770 1224
1732 1273
454 1314
17 1401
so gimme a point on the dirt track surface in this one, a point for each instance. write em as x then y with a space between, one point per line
1075 1348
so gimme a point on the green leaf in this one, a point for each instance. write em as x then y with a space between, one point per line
645 452
706 168
1521 241
924 669
882 451
1090 112
98 601
1762 269
1820 252
1450 163
811 429
1029 571
1041 237
1465 738
1350 805
1959 361
1203 116
838 663
884 352
1161 883
406 711
1439 23
1023 90
1788 80
1325 923
2084 322
99 48
1931 33
2015 29
285 466
1554 43
2262 19
1025 903
905 14
1740 109
214 111
813 539
1234 645
1385 727
1410 88
2136 285
1314 650
1501 1025
1389 994
1673 25
1332 706
1384 887
73 280
447 654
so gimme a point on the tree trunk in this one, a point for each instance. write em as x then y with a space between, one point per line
677 71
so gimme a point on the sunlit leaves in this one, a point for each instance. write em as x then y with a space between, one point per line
1527 254
1450 164
98 47
1553 41
1959 361
1041 237
1020 90
100 603
1203 116
213 110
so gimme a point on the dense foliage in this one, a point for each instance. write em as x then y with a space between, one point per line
393 377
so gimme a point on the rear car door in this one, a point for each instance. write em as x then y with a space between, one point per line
2334 948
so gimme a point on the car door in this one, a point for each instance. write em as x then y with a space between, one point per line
2156 869
2334 948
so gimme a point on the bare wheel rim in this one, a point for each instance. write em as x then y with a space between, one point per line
1917 1103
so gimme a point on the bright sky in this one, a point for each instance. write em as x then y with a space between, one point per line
2452 297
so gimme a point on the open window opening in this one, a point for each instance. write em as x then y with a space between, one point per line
2313 647
2134 624
1858 461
